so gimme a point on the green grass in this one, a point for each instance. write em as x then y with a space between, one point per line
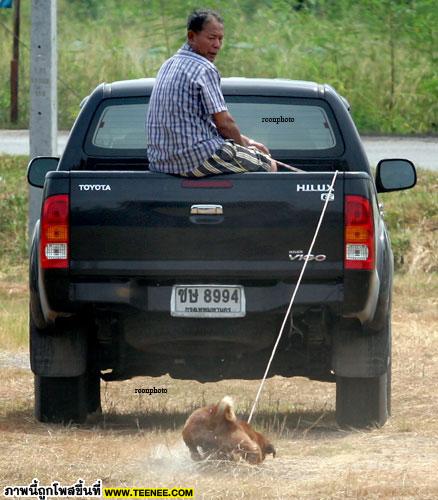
13 252
13 214
380 54
14 328
412 220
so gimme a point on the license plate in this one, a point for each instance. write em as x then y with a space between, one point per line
208 301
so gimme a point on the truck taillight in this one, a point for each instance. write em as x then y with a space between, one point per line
359 233
54 241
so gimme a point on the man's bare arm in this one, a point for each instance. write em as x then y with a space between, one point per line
228 128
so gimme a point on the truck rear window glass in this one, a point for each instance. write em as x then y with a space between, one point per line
121 126
283 124
286 125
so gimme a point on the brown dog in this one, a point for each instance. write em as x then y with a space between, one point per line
216 431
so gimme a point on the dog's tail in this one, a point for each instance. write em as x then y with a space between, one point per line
226 409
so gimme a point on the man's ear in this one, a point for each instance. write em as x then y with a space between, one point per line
190 35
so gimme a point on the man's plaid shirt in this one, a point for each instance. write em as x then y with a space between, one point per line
181 132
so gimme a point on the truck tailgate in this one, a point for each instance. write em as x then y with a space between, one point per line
142 223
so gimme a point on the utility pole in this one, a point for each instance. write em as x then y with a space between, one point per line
15 63
43 127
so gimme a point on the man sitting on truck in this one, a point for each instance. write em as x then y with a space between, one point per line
190 131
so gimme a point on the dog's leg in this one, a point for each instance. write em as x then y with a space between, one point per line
192 446
194 452
196 456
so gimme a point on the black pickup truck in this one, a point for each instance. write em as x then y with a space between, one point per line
138 273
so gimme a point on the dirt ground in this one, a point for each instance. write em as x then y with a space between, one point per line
137 440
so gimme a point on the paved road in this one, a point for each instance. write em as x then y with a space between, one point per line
423 151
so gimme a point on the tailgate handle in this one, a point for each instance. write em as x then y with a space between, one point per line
206 210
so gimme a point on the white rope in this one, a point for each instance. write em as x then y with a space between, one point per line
324 208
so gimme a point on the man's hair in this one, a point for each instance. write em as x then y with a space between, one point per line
198 18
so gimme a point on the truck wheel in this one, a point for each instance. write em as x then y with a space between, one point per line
61 399
362 402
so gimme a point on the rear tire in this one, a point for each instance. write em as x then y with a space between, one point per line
363 402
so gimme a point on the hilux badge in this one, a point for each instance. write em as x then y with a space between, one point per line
313 187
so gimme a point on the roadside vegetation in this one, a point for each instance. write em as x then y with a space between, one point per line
380 54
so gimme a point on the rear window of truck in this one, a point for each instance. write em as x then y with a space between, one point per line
287 126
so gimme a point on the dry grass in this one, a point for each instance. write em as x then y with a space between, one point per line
13 314
137 440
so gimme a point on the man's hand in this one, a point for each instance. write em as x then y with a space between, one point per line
258 145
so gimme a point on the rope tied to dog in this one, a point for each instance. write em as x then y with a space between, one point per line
324 208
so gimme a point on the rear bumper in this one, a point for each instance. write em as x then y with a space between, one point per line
156 298
356 297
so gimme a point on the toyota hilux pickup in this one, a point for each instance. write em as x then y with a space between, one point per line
137 273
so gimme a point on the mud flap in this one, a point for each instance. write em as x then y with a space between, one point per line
360 353
58 351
